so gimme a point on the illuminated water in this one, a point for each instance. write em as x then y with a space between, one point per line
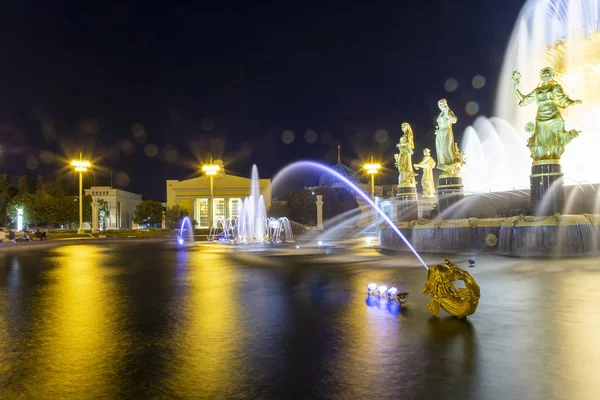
154 321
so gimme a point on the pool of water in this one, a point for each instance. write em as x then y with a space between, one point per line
148 320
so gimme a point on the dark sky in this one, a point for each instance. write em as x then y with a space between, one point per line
149 89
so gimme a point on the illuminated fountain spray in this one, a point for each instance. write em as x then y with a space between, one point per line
564 35
186 232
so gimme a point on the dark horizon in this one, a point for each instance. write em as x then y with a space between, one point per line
149 90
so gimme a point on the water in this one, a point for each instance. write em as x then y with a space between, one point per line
147 320
186 233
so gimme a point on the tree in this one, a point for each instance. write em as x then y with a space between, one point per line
23 185
174 216
148 213
59 186
40 190
5 196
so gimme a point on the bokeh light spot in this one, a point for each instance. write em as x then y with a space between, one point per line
127 147
139 132
287 137
170 155
150 150
326 138
451 84
32 163
311 136
478 81
207 124
46 156
122 178
472 108
381 136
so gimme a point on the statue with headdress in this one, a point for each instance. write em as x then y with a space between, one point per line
427 164
404 157
548 135
450 158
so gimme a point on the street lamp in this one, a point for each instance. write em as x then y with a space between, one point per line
211 170
372 168
80 166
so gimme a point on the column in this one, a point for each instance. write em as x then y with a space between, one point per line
163 224
95 214
320 212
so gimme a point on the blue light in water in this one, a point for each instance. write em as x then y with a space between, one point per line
372 301
180 240
362 194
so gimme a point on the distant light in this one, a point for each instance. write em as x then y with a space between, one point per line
19 219
478 82
372 288
451 84
211 169
392 293
180 240
288 137
382 290
472 108
80 165
368 240
372 168
297 247
320 243
310 136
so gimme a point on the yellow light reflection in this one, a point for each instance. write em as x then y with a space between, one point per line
208 351
78 343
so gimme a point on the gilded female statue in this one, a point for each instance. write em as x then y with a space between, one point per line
404 157
549 135
444 141
427 164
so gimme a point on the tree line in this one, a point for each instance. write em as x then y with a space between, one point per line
43 204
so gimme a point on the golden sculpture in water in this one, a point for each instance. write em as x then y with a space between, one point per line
427 164
549 136
440 286
404 157
450 158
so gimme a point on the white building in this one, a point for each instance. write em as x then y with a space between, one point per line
119 203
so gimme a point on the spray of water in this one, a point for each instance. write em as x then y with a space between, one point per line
356 189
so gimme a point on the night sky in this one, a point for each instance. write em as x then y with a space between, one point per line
149 90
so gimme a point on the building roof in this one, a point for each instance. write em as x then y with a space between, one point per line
330 180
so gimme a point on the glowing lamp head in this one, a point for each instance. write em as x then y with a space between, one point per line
80 165
372 288
392 293
211 169
382 290
372 168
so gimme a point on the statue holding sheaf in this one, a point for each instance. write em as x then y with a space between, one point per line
450 158
548 135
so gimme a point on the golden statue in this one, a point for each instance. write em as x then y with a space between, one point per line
448 155
440 286
549 136
427 164
404 157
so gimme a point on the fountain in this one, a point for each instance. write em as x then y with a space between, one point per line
186 233
252 225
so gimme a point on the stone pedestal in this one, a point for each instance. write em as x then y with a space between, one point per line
406 202
547 193
450 191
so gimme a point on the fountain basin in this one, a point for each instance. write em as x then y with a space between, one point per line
521 236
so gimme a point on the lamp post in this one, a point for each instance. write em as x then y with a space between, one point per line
211 170
81 166
372 168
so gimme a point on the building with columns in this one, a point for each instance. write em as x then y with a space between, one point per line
195 196
119 204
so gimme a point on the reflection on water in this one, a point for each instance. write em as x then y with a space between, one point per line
147 321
